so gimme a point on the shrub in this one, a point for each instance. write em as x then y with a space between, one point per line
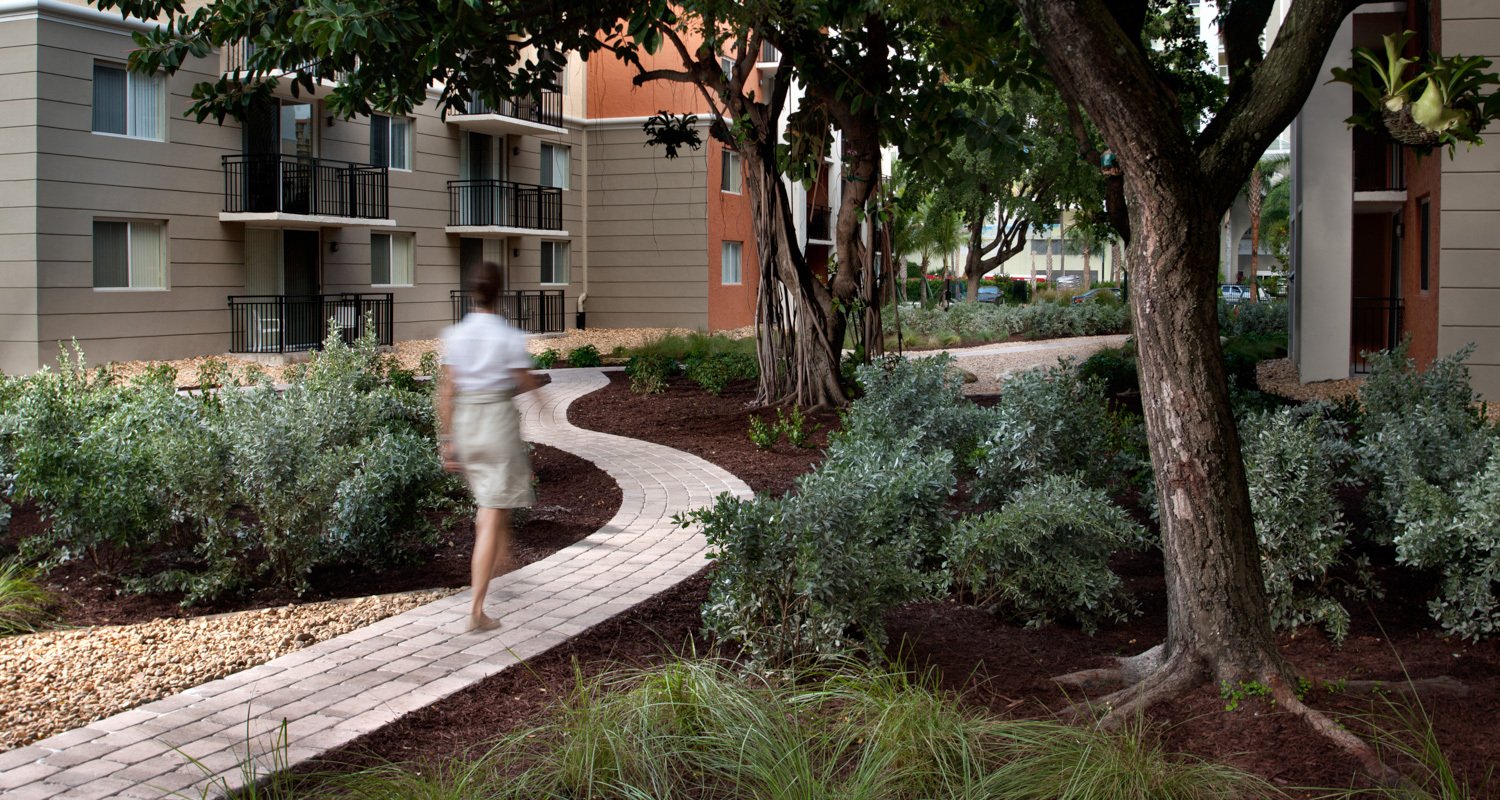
920 396
429 364
24 605
714 371
1045 554
1262 319
545 359
1418 427
584 356
1114 368
1458 534
1294 462
230 488
763 436
811 573
1054 422
648 373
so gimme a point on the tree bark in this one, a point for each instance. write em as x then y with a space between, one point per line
1255 205
1218 621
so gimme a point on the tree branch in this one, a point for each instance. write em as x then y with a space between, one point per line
1241 27
1241 131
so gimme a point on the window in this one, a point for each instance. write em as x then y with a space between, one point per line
127 104
730 177
1424 223
726 63
556 166
392 259
729 264
554 262
390 142
130 255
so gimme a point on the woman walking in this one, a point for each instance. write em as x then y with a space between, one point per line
485 363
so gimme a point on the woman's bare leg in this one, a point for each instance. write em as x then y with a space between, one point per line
503 561
491 538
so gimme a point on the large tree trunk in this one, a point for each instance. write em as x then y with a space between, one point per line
1217 619
974 261
799 330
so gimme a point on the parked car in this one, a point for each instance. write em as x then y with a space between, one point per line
1092 295
1233 293
988 294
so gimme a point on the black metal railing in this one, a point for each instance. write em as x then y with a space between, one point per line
300 185
236 58
534 311
297 323
768 52
820 224
1375 325
545 108
504 204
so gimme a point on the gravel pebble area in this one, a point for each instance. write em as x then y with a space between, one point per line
1279 376
55 681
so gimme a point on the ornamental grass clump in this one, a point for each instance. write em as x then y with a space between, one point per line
24 605
704 730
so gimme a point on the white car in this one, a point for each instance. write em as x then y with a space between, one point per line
1233 293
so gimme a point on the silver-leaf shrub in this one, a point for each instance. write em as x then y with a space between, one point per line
810 574
1045 554
1295 460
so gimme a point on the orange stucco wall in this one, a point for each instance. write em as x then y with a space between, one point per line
612 94
1424 179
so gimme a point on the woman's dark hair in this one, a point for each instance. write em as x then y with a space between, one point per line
485 284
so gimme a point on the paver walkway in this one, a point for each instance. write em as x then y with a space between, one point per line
333 691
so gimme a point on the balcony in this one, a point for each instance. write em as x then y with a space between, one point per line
525 116
820 226
769 58
534 311
235 57
1379 174
490 208
299 192
297 324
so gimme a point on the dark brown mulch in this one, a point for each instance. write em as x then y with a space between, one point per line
715 429
574 499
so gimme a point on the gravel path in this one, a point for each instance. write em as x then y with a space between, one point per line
59 680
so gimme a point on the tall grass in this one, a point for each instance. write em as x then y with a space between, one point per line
681 347
698 729
24 605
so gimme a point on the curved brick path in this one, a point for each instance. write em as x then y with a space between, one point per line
333 691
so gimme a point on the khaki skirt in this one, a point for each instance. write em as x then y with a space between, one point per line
487 442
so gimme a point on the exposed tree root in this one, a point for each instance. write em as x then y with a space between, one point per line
1149 678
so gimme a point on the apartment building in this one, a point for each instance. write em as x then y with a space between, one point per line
1386 244
143 234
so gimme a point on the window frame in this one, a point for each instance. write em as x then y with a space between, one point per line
738 248
544 161
410 271
731 166
1424 242
130 273
551 246
131 78
410 149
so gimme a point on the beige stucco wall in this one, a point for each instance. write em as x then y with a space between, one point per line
648 232
1469 279
58 177
18 220
1323 194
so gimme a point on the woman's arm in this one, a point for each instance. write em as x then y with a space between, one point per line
444 399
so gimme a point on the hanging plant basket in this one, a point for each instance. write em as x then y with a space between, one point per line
1405 130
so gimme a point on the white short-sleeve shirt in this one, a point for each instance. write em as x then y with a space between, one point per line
480 352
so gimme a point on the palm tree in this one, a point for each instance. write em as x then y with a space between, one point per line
1273 167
